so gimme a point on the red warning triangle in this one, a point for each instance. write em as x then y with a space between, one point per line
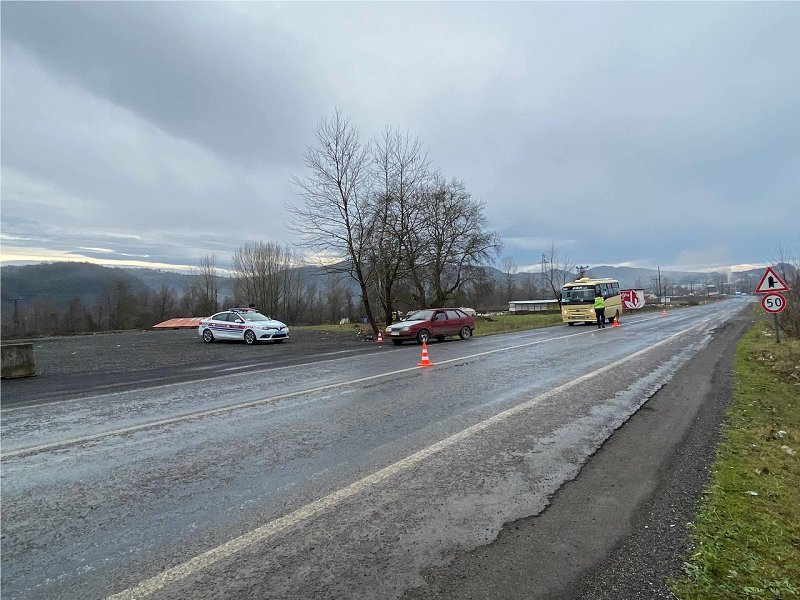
770 282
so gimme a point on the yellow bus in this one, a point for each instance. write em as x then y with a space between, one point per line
577 300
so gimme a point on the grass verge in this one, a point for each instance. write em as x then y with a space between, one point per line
483 325
746 538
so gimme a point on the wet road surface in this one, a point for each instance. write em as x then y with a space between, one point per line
342 478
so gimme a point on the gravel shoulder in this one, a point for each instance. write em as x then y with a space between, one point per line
68 367
619 529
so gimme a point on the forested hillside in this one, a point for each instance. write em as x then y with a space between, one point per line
59 298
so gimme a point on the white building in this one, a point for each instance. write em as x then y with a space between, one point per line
532 305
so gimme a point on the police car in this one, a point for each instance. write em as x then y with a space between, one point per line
242 324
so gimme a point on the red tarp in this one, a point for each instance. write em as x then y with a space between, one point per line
182 323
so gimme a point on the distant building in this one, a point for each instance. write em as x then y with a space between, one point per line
532 305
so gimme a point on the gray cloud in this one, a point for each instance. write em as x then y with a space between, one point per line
645 133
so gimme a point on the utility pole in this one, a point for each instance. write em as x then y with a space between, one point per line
543 277
659 283
16 314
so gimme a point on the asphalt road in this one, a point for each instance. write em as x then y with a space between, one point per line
359 476
77 366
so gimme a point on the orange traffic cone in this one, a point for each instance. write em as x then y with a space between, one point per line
425 361
615 323
380 339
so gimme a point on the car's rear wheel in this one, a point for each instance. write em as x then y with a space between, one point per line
465 333
249 337
208 337
397 342
423 336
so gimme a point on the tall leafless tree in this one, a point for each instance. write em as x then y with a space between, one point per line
400 171
335 219
207 285
447 242
556 268
165 302
509 268
267 275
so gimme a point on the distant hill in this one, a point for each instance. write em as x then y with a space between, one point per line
62 281
631 277
179 282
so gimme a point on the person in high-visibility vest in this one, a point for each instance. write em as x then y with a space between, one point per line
600 311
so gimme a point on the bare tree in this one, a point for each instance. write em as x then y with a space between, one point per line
447 241
529 287
208 285
556 267
267 275
509 268
718 278
335 219
788 267
781 259
165 302
400 172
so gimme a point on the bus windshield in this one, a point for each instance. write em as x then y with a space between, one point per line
577 295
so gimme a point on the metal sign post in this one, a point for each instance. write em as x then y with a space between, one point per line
772 301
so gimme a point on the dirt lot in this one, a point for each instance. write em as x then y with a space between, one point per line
70 366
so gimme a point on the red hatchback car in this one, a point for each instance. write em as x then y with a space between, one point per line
437 323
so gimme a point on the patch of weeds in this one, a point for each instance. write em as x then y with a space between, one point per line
746 538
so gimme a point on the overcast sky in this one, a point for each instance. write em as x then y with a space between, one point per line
628 134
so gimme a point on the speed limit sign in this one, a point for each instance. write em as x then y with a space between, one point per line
773 303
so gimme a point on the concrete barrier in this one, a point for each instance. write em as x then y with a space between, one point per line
17 361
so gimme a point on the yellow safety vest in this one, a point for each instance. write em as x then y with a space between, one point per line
599 303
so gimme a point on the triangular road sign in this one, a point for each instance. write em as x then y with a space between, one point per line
770 282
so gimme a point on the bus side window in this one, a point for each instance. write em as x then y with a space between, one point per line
604 288
597 291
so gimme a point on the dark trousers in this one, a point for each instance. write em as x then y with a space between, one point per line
601 317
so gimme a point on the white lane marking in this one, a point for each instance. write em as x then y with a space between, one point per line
255 372
242 405
176 383
206 559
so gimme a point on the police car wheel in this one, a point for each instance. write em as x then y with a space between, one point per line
249 337
208 337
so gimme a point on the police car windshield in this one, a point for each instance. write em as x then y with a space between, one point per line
253 316
577 295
